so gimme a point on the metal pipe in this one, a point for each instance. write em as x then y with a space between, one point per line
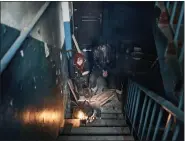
126 106
176 132
131 102
130 92
151 121
24 33
142 113
179 22
146 118
166 105
173 12
131 97
135 112
167 5
157 125
169 122
181 102
177 127
133 106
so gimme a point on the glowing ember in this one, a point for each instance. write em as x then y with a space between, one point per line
81 115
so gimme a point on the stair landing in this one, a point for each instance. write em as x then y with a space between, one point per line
111 126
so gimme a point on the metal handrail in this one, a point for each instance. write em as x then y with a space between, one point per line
179 22
134 97
168 106
18 42
141 101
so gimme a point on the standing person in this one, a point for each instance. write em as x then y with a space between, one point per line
102 63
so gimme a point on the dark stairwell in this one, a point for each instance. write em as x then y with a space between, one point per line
39 84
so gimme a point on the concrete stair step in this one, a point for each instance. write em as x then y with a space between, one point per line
93 138
112 116
107 123
111 111
96 131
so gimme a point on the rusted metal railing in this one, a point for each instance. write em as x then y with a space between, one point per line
148 114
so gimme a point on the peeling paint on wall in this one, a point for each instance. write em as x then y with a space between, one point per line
46 50
34 72
19 14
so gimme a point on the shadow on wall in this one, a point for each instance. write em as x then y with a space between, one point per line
132 22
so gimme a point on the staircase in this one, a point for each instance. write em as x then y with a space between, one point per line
111 126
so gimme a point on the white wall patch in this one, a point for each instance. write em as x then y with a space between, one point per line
65 11
22 53
46 50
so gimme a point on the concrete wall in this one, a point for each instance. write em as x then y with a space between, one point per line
32 85
19 14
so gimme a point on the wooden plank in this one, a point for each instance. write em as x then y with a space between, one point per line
101 96
72 89
106 100
101 99
76 44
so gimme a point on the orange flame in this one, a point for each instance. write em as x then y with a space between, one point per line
81 115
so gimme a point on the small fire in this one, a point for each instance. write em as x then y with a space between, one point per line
81 115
